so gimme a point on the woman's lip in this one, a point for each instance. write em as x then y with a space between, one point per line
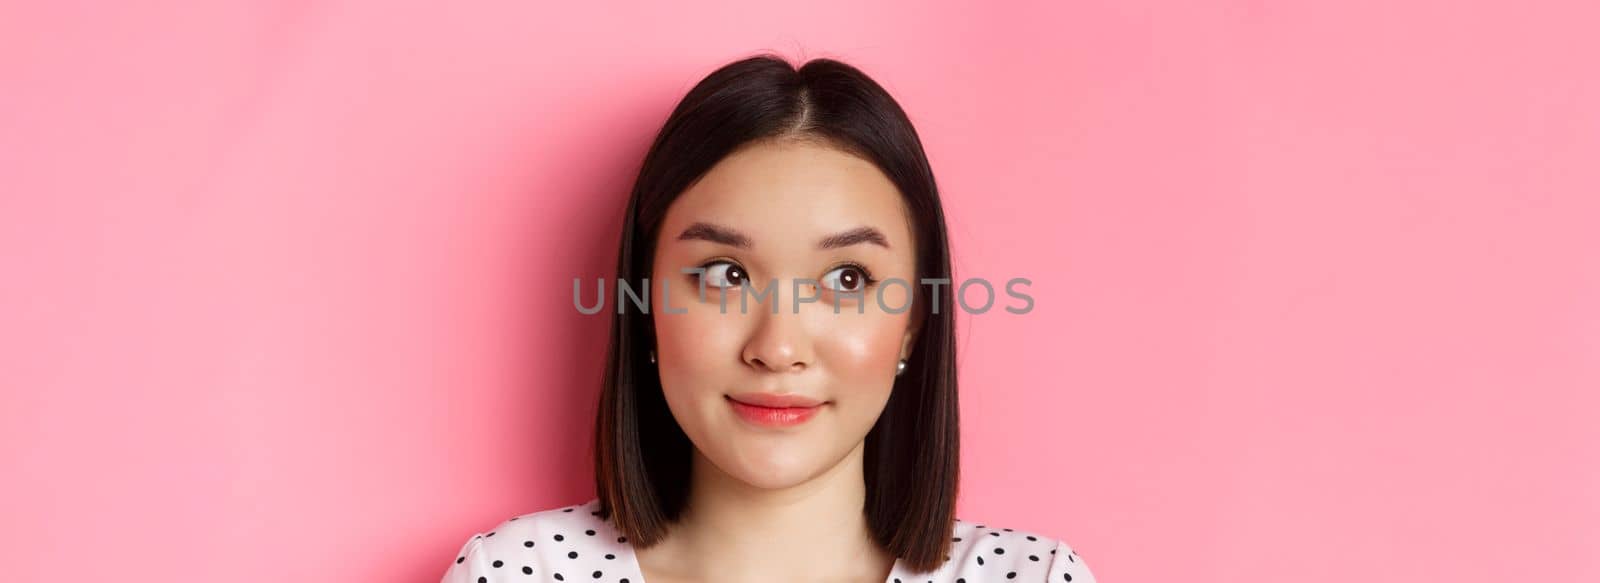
773 416
776 400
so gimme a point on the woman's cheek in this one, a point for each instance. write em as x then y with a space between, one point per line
865 349
702 359
697 344
690 369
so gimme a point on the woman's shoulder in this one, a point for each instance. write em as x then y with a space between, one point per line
526 543
984 552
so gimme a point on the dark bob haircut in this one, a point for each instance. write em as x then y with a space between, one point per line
641 455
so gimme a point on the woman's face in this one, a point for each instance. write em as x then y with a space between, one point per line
763 218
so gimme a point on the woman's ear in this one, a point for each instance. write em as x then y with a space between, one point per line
910 338
905 345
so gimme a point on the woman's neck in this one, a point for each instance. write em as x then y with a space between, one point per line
812 531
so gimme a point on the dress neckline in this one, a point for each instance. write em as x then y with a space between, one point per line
637 570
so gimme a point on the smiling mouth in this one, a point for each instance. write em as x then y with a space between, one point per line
776 400
773 416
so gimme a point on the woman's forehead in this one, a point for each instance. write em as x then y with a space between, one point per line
792 193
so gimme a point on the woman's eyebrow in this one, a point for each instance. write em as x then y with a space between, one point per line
854 236
716 234
729 236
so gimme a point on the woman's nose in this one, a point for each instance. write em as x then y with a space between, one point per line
779 343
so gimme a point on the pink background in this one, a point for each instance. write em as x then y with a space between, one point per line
287 287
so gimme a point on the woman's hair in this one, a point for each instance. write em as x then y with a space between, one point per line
641 455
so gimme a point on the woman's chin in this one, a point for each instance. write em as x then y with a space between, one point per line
776 468
775 479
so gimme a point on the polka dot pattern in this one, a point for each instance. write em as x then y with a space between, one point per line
981 553
573 544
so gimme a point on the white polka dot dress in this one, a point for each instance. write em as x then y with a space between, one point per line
572 544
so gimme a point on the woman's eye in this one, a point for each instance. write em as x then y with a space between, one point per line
723 274
849 278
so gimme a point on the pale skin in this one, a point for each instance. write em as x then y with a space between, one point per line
780 504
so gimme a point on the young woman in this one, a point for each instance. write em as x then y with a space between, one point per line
780 405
